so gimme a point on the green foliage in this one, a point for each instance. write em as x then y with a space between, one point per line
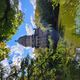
3 51
59 64
51 64
68 14
43 13
45 9
10 19
68 17
2 7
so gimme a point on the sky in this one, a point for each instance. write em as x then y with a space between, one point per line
26 27
17 51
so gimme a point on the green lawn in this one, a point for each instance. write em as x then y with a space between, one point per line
67 18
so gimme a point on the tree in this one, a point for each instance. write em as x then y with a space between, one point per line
54 65
46 15
3 50
69 19
50 64
10 19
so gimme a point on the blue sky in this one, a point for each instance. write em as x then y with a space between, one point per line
27 10
26 28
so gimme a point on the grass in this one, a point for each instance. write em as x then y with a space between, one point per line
67 19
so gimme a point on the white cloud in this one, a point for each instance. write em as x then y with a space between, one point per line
4 62
11 2
33 2
17 62
16 54
31 50
29 30
20 5
32 55
32 21
16 59
6 68
17 49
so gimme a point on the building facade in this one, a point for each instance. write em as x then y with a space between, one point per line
39 39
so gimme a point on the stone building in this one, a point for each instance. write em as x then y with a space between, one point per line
39 38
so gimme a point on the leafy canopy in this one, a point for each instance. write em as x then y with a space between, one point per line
10 19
